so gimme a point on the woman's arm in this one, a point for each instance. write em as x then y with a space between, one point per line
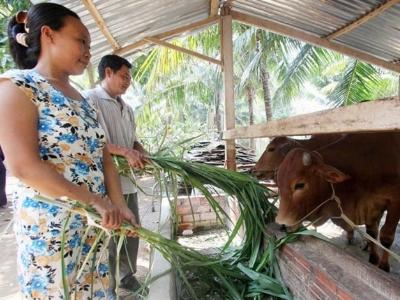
19 141
113 186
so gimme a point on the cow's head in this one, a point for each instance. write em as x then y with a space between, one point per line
304 182
272 157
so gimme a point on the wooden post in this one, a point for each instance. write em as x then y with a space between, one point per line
227 58
89 70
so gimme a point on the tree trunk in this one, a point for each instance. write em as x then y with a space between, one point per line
264 77
250 99
266 89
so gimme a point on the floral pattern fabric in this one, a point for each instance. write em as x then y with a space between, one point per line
71 141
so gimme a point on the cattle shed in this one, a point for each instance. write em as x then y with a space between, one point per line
368 30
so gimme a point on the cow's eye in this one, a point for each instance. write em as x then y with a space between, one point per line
299 186
271 149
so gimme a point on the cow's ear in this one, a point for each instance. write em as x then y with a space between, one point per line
331 174
285 148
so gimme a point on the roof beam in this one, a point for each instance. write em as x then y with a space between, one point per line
352 118
365 18
184 50
312 39
91 7
130 48
214 5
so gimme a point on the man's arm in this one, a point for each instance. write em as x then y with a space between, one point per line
138 146
135 158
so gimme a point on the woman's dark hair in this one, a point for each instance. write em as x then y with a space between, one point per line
112 61
39 15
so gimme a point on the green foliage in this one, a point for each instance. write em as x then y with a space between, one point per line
181 91
357 84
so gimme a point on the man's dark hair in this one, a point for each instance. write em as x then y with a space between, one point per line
114 62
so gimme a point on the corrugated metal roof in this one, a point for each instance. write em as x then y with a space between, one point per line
313 16
130 21
379 36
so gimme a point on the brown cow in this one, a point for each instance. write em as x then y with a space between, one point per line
367 184
276 150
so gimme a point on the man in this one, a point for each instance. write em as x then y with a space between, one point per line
118 122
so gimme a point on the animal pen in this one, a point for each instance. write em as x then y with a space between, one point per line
366 30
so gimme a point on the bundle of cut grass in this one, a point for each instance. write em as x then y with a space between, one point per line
255 212
249 271
237 280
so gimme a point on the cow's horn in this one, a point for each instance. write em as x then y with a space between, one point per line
306 159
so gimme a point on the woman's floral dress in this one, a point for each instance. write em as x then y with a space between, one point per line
71 141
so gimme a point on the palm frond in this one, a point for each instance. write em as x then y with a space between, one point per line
357 84
308 61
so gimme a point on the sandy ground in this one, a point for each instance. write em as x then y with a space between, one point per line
8 274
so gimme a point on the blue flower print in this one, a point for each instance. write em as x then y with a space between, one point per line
54 210
70 267
46 111
103 269
57 98
44 205
75 225
29 202
85 249
99 294
81 168
38 283
69 138
102 189
39 246
25 260
93 144
34 229
75 241
43 151
45 125
55 232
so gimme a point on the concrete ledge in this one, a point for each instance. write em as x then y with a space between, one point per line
163 288
315 269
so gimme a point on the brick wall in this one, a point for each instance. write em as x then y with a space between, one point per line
195 213
315 269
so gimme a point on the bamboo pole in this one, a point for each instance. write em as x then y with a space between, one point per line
168 34
363 19
184 50
101 23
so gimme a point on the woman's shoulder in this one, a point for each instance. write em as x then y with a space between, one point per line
23 76
31 83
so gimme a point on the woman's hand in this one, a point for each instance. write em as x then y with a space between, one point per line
129 217
110 214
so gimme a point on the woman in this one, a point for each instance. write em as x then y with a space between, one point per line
55 147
